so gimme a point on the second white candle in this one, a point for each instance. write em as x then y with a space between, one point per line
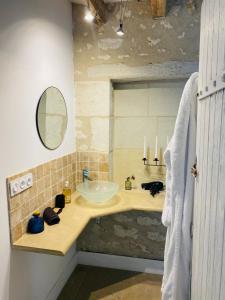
145 148
156 147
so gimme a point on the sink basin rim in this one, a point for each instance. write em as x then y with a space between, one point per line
99 195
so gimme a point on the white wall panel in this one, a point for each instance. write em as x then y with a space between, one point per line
208 265
36 52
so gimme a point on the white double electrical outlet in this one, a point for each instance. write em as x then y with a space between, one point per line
21 184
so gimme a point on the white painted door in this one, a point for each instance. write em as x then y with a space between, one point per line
208 265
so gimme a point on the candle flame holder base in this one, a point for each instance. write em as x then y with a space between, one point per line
155 164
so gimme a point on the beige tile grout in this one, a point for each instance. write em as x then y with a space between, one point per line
58 170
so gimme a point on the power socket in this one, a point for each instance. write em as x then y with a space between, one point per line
21 184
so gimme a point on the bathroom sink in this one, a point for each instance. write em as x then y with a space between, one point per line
98 192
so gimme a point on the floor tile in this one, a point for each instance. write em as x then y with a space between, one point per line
94 283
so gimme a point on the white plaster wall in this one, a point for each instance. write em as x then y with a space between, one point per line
35 52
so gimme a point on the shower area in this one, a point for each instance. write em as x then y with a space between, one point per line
143 119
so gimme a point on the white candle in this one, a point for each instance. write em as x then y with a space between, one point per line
156 147
144 154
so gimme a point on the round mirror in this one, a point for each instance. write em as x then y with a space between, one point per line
51 118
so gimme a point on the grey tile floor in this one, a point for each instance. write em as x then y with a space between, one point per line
92 283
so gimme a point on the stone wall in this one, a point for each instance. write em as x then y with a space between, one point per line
136 234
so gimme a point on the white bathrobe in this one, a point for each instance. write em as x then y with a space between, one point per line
180 156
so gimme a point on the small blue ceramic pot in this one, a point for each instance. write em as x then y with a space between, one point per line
36 223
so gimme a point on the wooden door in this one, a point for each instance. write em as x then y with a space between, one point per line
208 264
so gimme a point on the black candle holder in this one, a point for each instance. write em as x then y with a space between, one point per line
155 164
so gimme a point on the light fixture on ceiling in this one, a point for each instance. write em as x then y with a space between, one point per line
120 30
89 16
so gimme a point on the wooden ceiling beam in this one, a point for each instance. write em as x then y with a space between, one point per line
100 10
158 8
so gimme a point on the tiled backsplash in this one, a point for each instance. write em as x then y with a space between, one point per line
96 162
48 181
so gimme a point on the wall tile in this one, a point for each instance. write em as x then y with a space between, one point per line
96 162
104 167
15 203
48 180
16 232
94 166
15 217
40 172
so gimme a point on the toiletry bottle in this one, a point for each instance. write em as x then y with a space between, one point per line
36 223
128 184
67 192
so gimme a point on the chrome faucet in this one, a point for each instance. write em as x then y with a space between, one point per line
86 175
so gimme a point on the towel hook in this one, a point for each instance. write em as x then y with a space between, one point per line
194 170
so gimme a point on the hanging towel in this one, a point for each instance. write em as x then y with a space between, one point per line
180 156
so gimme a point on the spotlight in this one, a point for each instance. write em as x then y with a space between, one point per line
89 17
120 31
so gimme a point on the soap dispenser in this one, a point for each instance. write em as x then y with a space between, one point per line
128 184
67 192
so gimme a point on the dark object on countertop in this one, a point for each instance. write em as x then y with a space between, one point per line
60 202
154 187
36 223
50 216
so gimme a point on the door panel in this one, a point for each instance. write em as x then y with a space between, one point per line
208 229
208 264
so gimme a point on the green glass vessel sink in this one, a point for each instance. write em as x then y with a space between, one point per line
98 192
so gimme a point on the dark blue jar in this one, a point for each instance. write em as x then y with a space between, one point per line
36 223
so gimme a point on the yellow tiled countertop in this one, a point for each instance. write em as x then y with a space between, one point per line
57 239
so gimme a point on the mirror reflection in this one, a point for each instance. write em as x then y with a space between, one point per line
51 118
